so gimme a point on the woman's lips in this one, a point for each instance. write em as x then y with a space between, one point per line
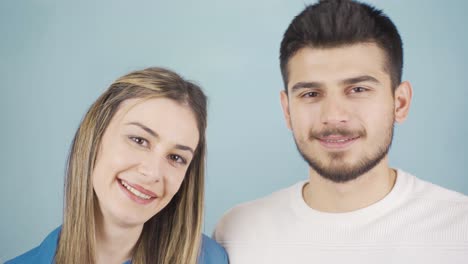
136 192
140 188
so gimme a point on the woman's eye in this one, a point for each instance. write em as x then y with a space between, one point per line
177 159
140 141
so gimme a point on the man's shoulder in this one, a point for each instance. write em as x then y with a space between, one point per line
437 208
264 206
44 253
248 218
432 192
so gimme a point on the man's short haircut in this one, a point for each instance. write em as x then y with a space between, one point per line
337 23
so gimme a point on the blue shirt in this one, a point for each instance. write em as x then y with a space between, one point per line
211 252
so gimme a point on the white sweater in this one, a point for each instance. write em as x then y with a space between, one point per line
417 222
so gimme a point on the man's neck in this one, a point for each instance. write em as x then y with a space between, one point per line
327 196
115 243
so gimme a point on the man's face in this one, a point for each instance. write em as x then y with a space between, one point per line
340 108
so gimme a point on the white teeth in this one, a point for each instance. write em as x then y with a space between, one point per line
135 191
337 140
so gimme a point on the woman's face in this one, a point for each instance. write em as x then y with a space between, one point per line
143 157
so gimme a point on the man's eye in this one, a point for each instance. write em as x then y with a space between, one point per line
359 89
310 94
177 159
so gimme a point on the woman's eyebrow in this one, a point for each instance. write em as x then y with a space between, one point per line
154 134
147 129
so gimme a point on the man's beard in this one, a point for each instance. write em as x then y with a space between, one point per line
336 170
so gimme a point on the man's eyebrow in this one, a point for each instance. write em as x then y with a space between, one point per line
147 129
154 134
359 79
302 85
349 81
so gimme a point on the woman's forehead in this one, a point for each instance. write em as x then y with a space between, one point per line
168 118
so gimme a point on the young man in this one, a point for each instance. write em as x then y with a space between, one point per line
341 63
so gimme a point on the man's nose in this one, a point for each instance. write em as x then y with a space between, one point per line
334 111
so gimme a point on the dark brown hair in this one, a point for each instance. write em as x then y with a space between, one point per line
335 23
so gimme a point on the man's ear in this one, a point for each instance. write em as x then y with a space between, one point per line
285 106
403 95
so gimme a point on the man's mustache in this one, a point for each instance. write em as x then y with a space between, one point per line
337 131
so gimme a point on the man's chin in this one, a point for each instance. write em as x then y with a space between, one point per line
344 166
339 171
338 175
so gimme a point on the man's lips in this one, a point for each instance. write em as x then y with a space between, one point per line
337 141
337 138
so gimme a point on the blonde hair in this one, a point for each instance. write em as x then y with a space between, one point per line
174 234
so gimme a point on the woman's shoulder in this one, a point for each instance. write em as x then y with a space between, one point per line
44 253
212 252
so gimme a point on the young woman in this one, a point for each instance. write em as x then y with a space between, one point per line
135 178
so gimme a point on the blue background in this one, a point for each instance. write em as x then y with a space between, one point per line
56 57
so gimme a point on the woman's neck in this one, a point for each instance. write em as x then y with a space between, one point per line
114 242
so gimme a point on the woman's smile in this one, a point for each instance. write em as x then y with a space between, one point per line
137 193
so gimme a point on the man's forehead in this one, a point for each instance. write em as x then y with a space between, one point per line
339 53
338 63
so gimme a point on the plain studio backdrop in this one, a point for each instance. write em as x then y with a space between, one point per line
56 57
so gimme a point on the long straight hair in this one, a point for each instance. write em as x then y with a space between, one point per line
173 235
